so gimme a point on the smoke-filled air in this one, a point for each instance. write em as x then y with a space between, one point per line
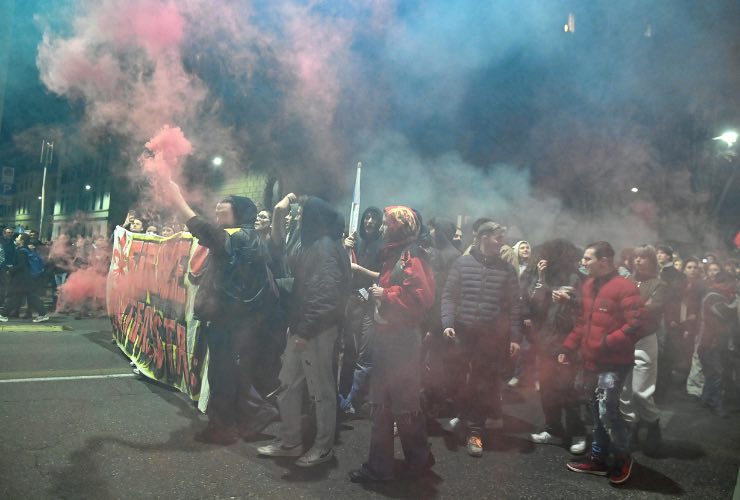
542 114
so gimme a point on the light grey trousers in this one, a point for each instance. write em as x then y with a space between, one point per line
636 401
314 364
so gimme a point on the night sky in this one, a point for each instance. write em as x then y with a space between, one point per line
454 107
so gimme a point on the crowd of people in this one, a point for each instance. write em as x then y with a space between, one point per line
401 323
32 270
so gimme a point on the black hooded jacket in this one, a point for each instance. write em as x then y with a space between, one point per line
322 272
368 249
235 280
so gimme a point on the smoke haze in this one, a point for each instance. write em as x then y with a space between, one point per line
464 107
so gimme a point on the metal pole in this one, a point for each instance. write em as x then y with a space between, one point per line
47 154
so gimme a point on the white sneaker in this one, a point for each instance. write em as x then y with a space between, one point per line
543 437
4 319
494 424
514 382
40 319
578 447
451 425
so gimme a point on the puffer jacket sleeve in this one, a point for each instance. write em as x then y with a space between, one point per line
451 296
634 316
323 288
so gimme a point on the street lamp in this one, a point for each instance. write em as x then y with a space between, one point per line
217 161
634 189
729 138
88 187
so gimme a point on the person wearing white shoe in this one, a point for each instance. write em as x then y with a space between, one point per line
551 284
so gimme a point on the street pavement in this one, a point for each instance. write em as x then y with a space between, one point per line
119 436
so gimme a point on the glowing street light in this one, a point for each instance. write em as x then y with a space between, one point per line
729 138
88 187
634 189
217 161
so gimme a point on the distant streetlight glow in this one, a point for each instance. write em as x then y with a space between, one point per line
729 138
217 161
634 189
88 187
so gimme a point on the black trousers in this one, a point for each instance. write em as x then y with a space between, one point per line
232 348
559 397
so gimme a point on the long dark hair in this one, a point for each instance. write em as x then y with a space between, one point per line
562 258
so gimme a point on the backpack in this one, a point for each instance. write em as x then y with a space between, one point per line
35 262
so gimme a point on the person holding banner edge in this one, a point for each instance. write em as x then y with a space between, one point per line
231 303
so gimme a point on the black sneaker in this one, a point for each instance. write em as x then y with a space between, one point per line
365 475
216 435
621 470
589 465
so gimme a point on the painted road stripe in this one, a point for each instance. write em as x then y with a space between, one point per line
77 377
34 327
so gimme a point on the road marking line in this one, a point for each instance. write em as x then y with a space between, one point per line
33 328
78 377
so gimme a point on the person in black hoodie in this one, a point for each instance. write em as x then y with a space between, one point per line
231 300
320 288
358 330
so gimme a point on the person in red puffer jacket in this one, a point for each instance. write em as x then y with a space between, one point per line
612 321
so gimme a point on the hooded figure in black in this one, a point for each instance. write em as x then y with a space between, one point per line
320 288
234 290
358 328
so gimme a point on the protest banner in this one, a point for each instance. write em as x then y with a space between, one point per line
151 287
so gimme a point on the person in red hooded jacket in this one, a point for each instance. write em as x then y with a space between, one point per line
612 321
404 294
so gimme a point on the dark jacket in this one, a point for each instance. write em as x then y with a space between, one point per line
611 322
716 320
368 249
8 251
552 321
675 282
654 293
234 281
482 293
322 272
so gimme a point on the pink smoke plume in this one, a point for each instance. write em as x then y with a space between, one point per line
124 60
168 147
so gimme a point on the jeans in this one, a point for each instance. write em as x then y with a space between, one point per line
610 430
357 348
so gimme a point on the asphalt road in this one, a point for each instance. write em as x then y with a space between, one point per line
117 436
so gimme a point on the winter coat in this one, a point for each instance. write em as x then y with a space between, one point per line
654 294
408 288
675 282
482 293
552 321
612 321
322 272
235 280
716 319
8 251
368 250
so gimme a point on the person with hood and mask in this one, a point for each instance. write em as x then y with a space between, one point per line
404 295
234 291
358 330
320 288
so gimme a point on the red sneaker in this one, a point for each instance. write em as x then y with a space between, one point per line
621 470
589 465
